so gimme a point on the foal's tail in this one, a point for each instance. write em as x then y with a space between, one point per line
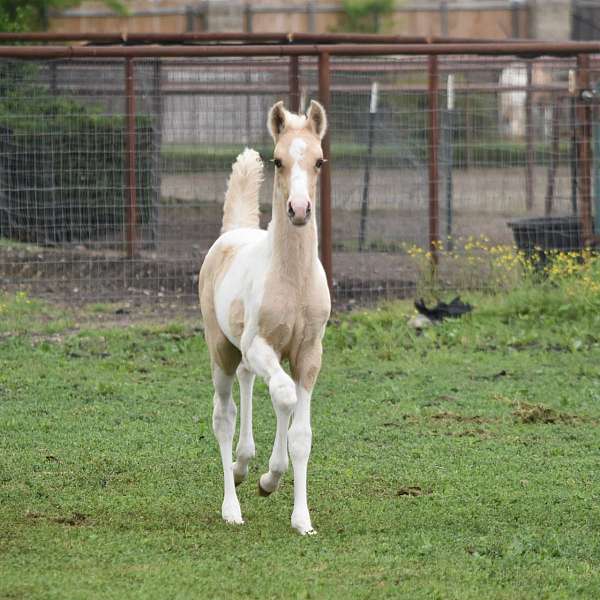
241 199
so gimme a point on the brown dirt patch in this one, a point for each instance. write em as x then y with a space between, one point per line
478 433
76 519
538 413
413 491
450 416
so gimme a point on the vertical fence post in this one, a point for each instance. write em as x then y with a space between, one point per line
202 11
529 19
554 158
326 241
130 154
449 159
596 163
529 155
248 25
247 18
584 146
573 147
364 205
515 18
433 146
190 18
444 26
294 83
310 12
157 110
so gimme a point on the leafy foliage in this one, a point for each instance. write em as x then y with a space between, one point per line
62 171
26 15
366 16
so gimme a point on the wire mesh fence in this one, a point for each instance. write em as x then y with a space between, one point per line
450 168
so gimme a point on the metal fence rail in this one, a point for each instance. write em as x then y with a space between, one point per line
114 160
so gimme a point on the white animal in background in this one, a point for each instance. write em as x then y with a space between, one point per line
512 104
264 299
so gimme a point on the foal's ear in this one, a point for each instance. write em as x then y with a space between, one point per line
276 120
317 119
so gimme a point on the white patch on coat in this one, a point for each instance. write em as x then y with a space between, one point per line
245 278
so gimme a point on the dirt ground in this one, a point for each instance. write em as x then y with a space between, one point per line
82 275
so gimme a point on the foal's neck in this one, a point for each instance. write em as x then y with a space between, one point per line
295 249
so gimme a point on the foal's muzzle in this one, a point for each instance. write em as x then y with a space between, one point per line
299 211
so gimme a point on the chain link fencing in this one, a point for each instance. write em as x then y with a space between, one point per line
420 201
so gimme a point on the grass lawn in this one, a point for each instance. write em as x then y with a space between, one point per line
462 463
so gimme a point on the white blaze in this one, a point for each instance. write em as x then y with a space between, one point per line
299 178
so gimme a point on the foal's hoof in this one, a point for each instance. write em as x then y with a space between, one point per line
306 530
262 492
239 476
231 513
302 524
267 484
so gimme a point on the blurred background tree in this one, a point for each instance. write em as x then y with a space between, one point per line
32 15
366 16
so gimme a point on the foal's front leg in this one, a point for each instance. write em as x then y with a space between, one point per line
263 360
300 441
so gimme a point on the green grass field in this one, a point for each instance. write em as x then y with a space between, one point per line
462 463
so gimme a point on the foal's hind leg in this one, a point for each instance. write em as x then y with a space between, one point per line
224 414
245 449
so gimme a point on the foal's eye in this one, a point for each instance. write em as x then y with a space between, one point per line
319 163
277 163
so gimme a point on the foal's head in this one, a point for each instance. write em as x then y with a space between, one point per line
298 157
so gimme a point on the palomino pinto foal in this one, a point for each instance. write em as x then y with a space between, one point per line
264 300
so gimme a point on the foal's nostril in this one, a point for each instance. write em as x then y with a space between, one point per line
308 209
291 212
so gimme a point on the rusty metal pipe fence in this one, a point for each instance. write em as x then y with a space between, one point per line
114 158
233 37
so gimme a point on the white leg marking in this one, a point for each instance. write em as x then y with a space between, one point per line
245 449
300 440
263 360
224 413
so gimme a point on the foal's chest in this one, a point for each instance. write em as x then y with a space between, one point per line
285 320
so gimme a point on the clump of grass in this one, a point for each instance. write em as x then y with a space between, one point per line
468 264
19 313
544 281
556 308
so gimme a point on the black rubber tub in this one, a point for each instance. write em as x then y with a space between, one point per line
535 235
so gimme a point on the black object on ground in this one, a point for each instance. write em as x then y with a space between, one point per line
442 311
547 233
